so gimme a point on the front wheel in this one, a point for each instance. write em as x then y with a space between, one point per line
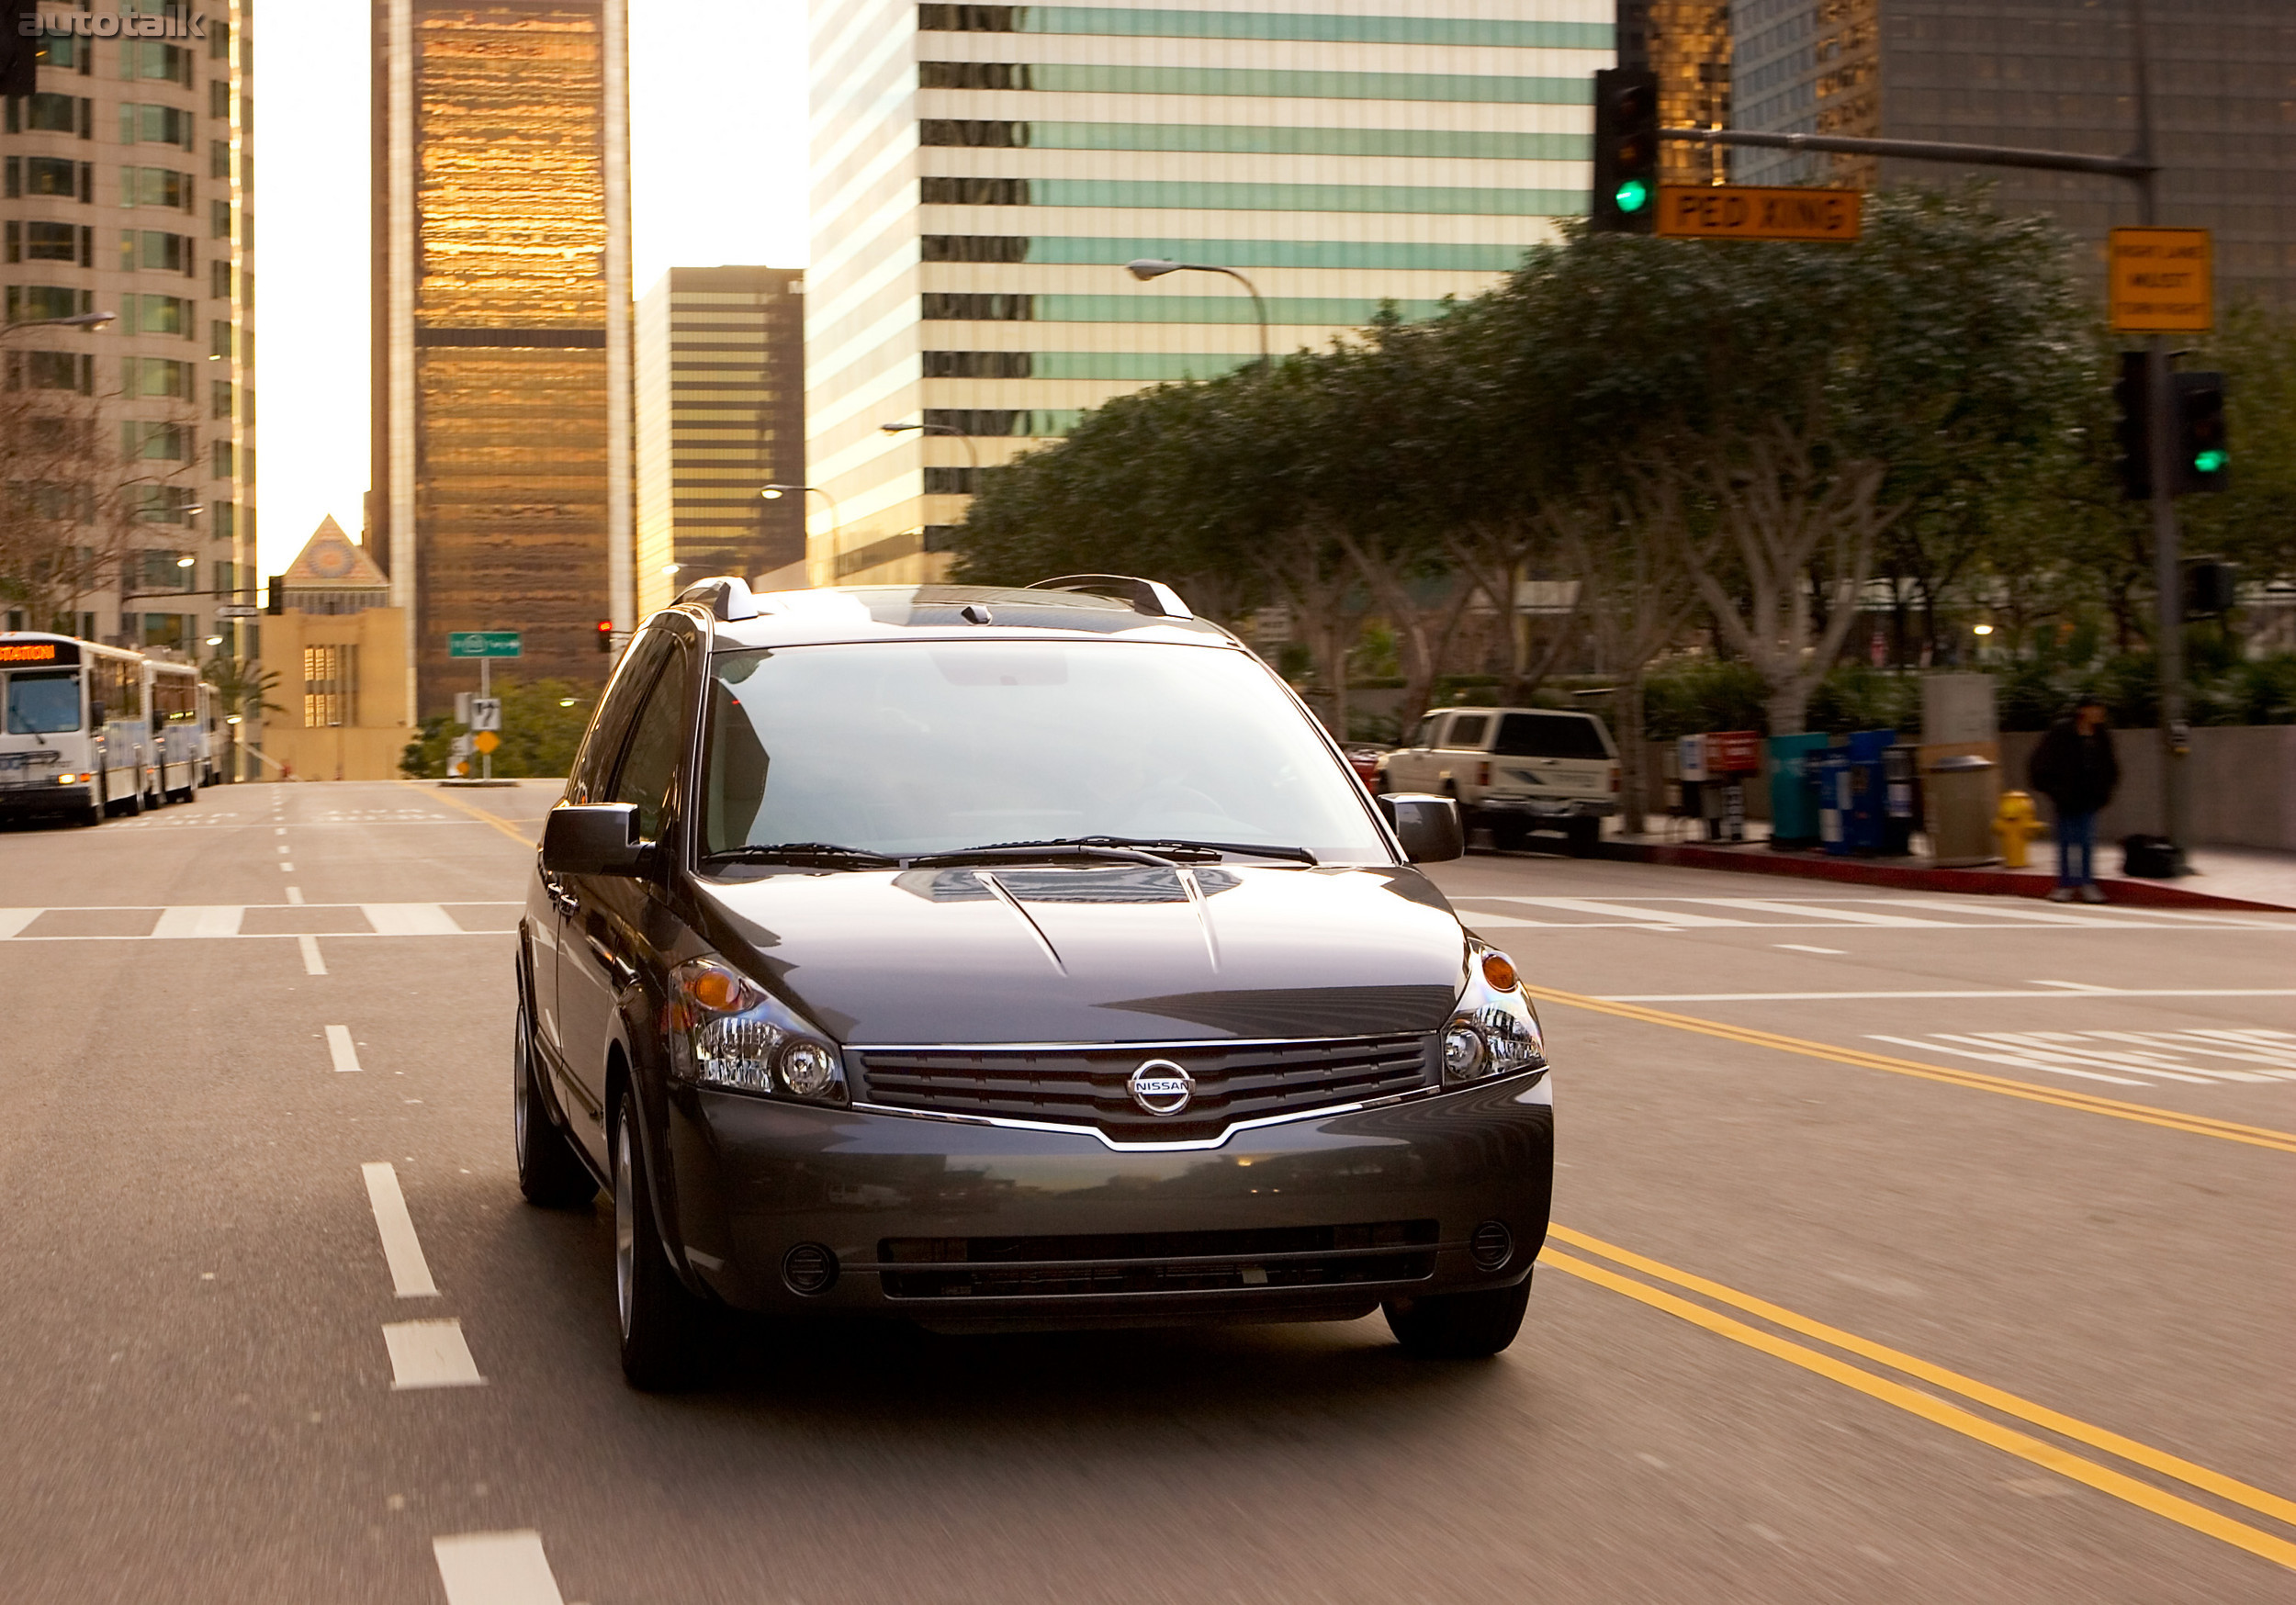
661 1322
549 1172
1459 1326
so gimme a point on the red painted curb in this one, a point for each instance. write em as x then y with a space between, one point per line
1908 877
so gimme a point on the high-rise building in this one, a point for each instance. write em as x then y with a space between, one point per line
1687 44
721 415
2049 74
128 192
501 490
981 174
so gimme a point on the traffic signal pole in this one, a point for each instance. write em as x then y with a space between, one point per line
2161 404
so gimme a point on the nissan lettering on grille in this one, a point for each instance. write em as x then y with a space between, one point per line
1162 1087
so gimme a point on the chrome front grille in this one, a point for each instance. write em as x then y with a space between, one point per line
1090 1086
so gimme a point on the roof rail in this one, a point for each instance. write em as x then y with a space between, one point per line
1147 596
728 599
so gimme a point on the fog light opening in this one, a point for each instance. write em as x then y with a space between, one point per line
1492 1245
810 1269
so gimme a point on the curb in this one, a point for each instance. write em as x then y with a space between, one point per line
1907 876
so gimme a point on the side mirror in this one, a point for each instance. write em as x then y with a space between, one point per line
598 838
1427 827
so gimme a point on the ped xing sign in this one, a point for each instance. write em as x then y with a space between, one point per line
483 644
1745 211
2161 281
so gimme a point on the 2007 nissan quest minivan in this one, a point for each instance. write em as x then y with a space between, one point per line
1012 959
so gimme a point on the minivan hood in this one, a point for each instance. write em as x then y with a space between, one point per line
1106 953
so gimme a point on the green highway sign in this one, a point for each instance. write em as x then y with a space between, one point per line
483 644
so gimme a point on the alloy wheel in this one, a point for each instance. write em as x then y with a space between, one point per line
624 1227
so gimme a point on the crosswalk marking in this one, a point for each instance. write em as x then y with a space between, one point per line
1786 913
186 922
220 920
1816 911
2128 1057
1617 910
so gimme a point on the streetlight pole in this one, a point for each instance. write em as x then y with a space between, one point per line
837 521
971 455
1147 267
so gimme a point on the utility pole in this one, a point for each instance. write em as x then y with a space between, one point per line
2175 735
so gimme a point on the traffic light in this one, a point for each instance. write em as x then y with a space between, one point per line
274 597
605 634
1625 194
2132 401
2202 463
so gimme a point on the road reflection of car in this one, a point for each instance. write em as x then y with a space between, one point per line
1006 958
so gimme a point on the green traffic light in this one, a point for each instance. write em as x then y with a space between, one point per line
2209 462
1633 196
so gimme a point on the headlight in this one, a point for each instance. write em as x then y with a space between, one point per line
1492 1030
727 1031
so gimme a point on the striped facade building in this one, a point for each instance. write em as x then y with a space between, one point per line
981 174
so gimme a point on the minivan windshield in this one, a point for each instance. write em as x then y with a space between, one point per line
43 701
934 747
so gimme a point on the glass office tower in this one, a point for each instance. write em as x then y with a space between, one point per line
501 334
981 173
2050 74
721 415
129 191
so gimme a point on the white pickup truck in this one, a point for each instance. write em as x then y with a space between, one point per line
1514 771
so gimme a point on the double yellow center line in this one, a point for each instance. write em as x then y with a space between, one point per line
2087 1102
496 820
1984 1430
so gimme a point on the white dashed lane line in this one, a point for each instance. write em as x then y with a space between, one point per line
410 1272
429 1353
342 1051
312 964
495 1568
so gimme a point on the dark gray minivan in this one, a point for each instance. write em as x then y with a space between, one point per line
1012 959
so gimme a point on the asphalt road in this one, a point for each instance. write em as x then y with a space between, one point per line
1909 1249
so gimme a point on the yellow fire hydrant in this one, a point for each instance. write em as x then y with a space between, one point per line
2016 824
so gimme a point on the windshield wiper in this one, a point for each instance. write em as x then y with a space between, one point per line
810 854
1161 849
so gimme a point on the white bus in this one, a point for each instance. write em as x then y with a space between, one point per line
183 728
74 738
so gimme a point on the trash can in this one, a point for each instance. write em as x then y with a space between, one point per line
1794 789
1960 797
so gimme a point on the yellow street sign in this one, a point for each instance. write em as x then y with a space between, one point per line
486 741
2161 281
1745 211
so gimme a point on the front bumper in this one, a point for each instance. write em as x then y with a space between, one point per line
1551 807
964 1225
18 798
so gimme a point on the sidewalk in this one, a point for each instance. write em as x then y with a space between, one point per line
2228 878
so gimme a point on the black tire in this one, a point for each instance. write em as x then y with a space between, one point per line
1509 832
550 1173
1581 835
1459 1326
661 1323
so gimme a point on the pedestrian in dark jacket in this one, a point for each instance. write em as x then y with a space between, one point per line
2074 768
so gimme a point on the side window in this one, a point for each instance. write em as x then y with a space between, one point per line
1467 730
650 766
1425 736
615 709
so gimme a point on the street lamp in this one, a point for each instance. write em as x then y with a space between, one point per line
837 522
1147 267
971 455
77 321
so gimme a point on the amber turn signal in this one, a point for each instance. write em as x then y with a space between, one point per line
713 990
1499 969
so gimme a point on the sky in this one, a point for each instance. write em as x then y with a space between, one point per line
717 147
